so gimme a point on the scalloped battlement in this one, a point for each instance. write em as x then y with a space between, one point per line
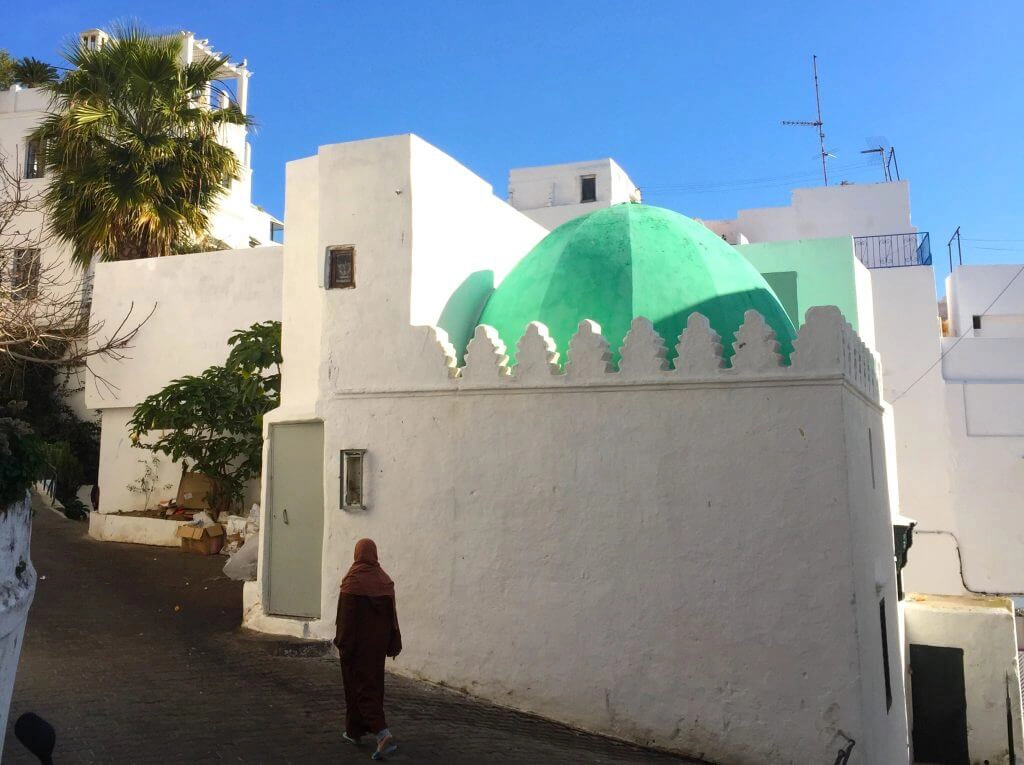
826 345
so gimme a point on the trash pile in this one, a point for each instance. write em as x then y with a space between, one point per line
201 535
236 536
243 545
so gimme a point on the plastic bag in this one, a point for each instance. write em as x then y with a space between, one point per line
202 518
242 565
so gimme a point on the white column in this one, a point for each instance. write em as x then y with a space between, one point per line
187 40
243 91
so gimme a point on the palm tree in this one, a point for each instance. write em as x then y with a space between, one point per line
33 73
131 150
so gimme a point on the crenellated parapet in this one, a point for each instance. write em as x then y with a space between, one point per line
827 343
826 346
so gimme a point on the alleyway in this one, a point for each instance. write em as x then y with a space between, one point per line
134 654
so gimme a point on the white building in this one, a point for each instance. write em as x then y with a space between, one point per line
955 387
236 221
763 497
849 209
954 390
554 194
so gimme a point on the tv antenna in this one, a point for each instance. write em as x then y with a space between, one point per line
816 123
887 154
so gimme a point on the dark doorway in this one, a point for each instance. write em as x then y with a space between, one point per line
940 705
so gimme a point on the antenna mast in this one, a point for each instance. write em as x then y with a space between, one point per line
817 123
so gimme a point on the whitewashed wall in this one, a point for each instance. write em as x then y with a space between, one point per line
984 629
907 339
690 558
421 224
990 291
856 209
198 301
17 589
959 432
234 220
21 110
550 194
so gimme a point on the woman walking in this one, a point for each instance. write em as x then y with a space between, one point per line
367 633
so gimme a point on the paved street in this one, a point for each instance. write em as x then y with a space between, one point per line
135 654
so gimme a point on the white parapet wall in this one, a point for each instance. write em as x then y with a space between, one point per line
110 527
692 557
862 209
17 589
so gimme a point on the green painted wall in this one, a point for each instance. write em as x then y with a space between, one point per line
823 268
783 284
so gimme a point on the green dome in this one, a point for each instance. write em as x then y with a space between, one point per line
626 261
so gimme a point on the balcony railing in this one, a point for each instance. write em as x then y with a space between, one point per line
894 250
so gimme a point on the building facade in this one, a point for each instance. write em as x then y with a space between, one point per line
236 221
734 467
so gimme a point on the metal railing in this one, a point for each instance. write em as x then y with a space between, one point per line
894 250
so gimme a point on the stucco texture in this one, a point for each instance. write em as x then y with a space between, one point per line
677 594
632 260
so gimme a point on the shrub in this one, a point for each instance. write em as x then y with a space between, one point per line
21 455
214 421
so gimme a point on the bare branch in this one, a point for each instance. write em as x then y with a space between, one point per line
44 297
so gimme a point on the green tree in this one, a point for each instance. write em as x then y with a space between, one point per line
131 150
6 70
214 421
33 73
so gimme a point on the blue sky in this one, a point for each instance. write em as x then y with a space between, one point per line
687 97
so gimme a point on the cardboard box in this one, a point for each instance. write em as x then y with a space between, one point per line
202 540
192 491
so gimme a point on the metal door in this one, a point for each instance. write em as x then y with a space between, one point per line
296 519
940 705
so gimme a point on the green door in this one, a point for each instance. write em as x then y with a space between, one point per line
296 519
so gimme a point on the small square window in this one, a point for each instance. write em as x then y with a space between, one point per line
352 479
588 188
341 267
977 322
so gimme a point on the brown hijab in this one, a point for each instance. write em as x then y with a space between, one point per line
365 576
